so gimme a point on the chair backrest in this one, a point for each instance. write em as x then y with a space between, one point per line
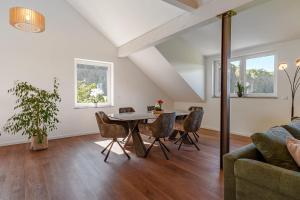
107 128
163 125
126 110
193 121
193 108
150 108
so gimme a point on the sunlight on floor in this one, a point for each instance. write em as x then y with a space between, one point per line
115 148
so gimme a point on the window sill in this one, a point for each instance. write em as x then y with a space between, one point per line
90 107
250 97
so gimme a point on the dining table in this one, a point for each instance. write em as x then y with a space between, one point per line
133 119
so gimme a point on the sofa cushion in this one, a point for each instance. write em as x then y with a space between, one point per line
280 182
294 128
272 145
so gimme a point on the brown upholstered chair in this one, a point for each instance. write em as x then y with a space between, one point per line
162 127
111 129
191 124
193 108
126 110
150 108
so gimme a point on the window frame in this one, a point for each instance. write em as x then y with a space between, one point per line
216 92
110 83
243 75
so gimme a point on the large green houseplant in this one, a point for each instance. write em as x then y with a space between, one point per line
35 113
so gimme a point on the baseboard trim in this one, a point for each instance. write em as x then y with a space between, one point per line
232 135
24 141
54 137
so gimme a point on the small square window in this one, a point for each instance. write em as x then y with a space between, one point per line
94 83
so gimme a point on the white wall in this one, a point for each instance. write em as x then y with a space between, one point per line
249 115
188 63
38 58
158 69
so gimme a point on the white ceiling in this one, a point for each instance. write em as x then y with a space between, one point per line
270 22
121 21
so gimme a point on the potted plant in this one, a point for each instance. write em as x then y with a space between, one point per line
35 113
240 89
158 107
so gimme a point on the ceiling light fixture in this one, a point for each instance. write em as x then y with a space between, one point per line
26 19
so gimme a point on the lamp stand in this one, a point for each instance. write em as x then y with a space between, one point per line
294 84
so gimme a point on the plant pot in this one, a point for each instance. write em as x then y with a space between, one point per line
158 112
36 146
240 94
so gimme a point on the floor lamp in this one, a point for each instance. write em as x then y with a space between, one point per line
294 82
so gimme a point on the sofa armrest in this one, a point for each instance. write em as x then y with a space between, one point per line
229 159
283 181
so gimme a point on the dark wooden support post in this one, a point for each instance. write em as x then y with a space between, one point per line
225 85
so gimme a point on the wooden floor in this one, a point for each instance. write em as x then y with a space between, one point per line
73 168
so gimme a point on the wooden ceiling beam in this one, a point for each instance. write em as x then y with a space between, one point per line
188 5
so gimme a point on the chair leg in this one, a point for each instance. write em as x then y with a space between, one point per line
108 151
123 150
193 142
180 145
183 136
164 146
163 150
177 140
107 147
148 150
180 138
195 136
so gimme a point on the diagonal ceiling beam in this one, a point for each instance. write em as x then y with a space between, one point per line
188 5
204 13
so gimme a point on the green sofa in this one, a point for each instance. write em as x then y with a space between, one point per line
248 177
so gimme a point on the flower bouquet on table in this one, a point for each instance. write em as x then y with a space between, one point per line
158 107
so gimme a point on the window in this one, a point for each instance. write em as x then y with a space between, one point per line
93 83
235 76
257 73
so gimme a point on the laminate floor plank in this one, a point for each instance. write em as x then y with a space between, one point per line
73 169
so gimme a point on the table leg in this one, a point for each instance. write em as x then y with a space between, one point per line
138 143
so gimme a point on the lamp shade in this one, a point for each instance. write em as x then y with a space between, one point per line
26 19
282 66
298 62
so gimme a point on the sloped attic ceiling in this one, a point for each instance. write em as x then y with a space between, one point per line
123 20
270 22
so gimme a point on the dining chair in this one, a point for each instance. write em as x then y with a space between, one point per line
113 130
193 108
191 124
150 108
160 128
126 110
